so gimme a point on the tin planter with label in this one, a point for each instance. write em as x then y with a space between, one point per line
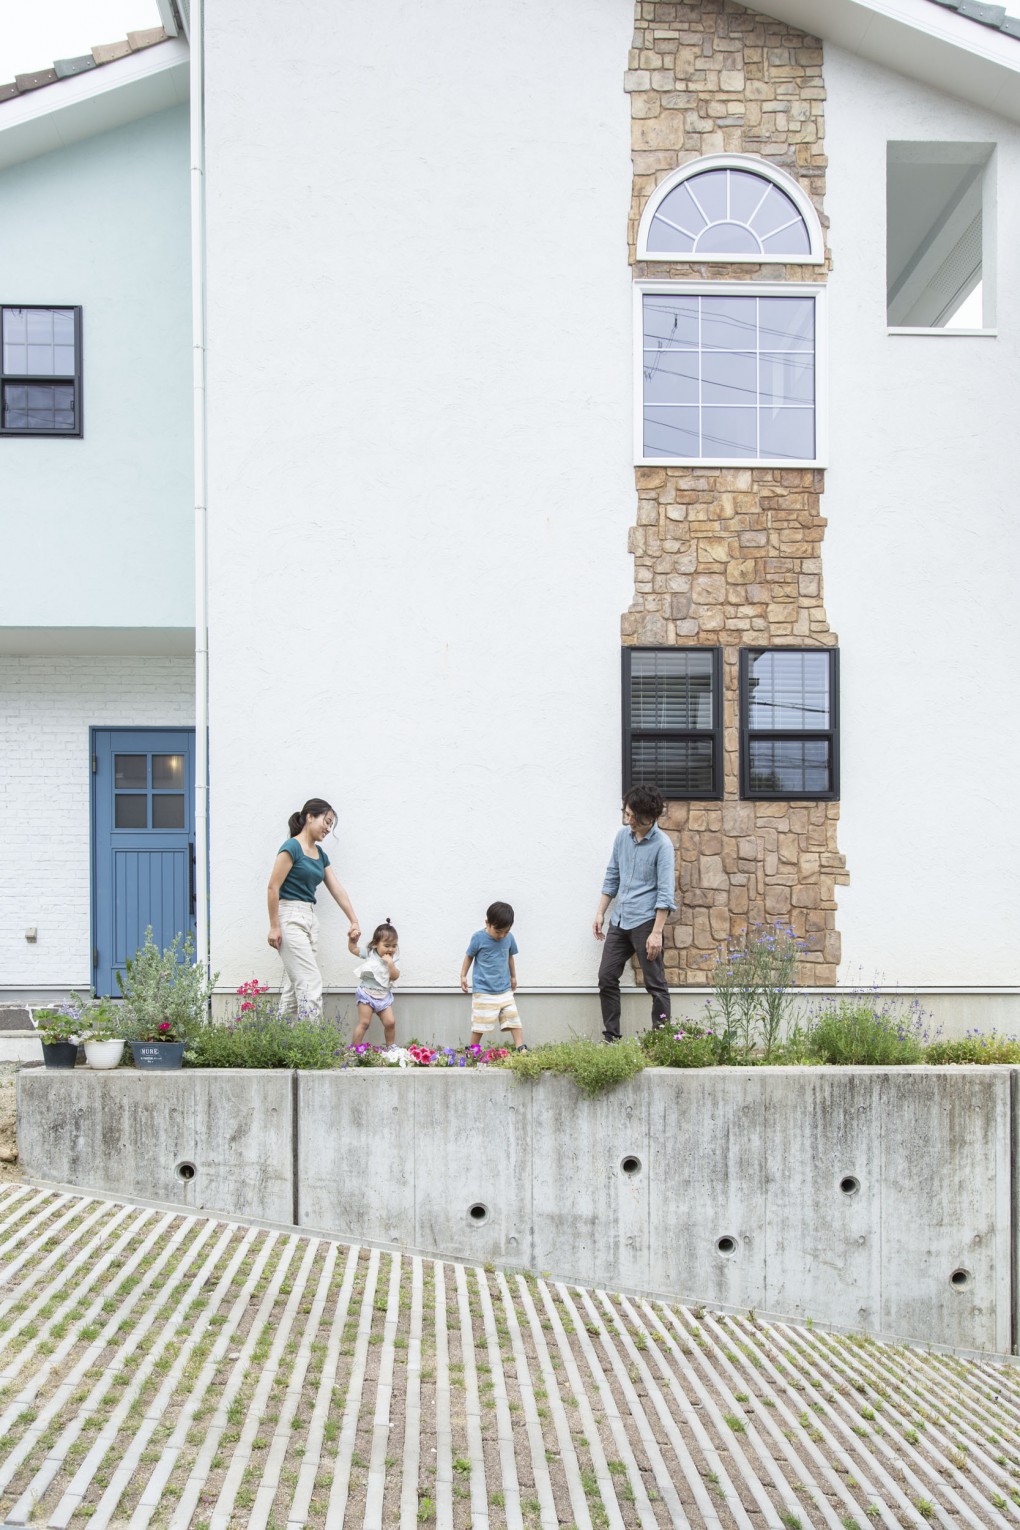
158 1054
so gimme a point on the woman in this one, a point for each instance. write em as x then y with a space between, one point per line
299 870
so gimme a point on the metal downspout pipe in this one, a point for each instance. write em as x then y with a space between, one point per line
198 340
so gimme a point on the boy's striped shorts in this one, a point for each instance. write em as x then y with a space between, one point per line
490 1009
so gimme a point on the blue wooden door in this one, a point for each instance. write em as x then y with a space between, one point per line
143 843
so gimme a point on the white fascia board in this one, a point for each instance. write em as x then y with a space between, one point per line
926 42
85 104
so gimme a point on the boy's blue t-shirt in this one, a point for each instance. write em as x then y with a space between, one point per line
491 972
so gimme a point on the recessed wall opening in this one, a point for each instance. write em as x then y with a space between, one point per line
939 208
478 1213
850 1184
186 1171
726 1246
630 1164
960 1279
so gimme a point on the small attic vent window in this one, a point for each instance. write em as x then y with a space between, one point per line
728 208
936 195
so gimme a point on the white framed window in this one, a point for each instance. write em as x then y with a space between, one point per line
940 212
727 374
733 208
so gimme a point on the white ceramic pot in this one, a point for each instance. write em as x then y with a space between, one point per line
103 1054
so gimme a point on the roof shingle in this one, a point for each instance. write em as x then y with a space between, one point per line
988 15
64 68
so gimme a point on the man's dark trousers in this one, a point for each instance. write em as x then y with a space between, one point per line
620 946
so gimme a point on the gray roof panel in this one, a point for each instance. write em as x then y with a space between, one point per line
988 15
64 68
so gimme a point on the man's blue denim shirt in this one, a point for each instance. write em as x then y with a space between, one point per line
641 876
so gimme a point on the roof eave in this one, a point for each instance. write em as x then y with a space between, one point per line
94 102
926 42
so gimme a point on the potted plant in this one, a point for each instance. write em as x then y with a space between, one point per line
59 1028
160 1047
103 1035
166 995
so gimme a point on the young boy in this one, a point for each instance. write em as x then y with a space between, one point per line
495 977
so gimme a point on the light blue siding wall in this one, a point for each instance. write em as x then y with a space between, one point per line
98 531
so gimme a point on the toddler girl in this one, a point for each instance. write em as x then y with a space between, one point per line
377 975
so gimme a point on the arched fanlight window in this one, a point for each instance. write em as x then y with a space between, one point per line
732 208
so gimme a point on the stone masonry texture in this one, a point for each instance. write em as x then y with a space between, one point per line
732 557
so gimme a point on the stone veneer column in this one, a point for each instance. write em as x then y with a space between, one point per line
731 557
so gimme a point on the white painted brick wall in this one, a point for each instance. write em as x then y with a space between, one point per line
47 706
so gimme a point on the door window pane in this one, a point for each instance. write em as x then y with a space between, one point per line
129 771
168 811
130 812
167 772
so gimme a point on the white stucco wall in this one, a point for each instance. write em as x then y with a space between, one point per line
47 706
420 470
98 531
420 488
921 554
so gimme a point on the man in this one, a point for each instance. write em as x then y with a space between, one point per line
641 876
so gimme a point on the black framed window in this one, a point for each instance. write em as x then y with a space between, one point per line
40 371
789 723
672 721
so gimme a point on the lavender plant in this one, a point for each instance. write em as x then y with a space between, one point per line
976 1047
753 977
864 1027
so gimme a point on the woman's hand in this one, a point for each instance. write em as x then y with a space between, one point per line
354 933
275 937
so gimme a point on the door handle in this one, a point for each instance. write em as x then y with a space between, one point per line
191 876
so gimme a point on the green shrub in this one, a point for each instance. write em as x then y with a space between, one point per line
166 993
864 1029
267 1040
591 1065
975 1048
682 1045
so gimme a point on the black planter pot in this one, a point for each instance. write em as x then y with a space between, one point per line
158 1054
60 1054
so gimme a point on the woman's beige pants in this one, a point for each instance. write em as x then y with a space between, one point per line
302 983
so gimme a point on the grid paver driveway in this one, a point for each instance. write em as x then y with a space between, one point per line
163 1368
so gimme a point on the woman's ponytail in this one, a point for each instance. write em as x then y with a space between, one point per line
313 808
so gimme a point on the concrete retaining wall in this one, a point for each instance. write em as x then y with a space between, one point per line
881 1200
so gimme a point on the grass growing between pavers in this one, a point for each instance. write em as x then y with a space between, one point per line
178 1371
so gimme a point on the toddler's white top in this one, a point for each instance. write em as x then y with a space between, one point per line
372 972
